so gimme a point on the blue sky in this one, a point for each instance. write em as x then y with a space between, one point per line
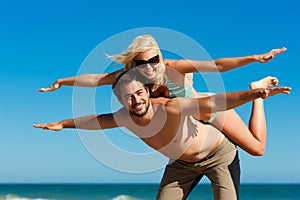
42 41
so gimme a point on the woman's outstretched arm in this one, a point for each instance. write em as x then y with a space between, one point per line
222 64
86 80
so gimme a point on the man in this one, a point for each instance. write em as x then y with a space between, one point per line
167 126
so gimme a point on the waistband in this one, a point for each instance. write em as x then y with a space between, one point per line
224 144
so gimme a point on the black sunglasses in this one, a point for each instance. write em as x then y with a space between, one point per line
143 63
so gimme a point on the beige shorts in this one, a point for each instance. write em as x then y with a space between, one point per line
221 167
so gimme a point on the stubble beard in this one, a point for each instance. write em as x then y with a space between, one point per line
143 113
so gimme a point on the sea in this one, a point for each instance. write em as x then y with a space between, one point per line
137 192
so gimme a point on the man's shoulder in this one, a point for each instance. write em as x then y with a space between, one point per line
121 116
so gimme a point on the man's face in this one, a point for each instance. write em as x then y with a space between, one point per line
135 98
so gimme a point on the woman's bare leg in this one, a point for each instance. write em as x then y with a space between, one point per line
252 139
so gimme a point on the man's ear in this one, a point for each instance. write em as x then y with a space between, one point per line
147 89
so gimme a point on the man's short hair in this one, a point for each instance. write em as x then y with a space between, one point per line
125 77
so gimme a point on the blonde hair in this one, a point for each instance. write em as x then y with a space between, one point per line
140 44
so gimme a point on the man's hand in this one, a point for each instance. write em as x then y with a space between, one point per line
266 57
56 85
268 92
55 126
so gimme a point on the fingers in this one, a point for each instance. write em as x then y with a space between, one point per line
53 87
271 54
275 52
286 90
44 90
268 92
39 125
279 90
49 126
278 51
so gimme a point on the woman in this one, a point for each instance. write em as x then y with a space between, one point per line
174 78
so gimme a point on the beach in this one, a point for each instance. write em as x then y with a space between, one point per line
136 192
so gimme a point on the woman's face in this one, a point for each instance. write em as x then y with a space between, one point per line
147 63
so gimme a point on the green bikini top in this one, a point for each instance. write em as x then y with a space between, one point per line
177 91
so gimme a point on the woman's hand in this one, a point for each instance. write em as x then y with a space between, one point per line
266 57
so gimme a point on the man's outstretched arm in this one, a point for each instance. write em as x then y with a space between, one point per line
220 102
91 122
229 100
